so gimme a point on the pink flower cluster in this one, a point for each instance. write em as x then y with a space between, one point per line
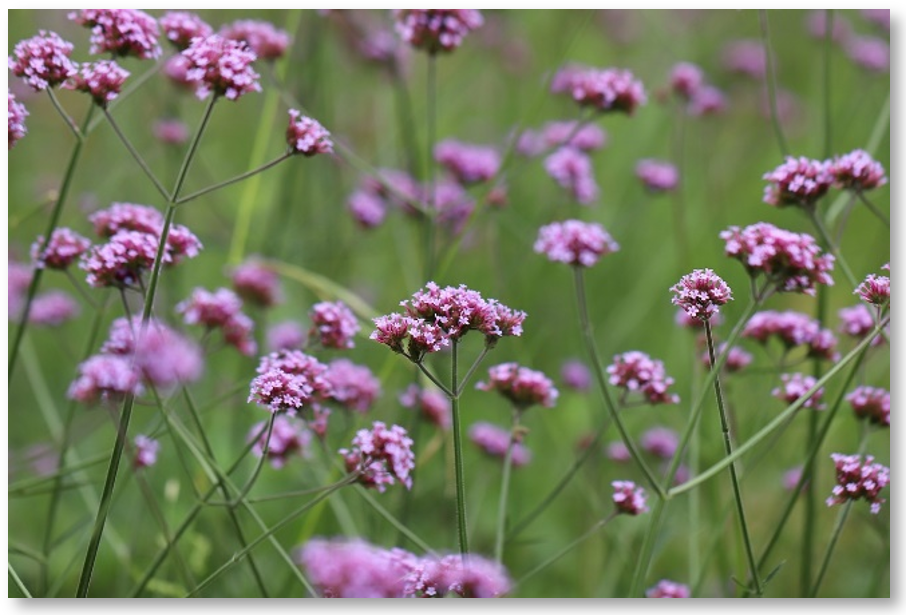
575 242
333 324
874 290
576 375
523 386
737 359
436 30
222 310
15 119
180 27
106 378
289 438
52 309
609 89
687 82
103 80
857 170
381 456
857 321
368 209
791 261
468 163
798 181
495 441
437 316
171 131
289 380
660 441
572 170
636 371
43 60
438 577
746 57
268 42
858 480
701 293
792 329
306 136
629 499
433 405
18 279
145 451
871 403
353 386
286 335
585 137
220 66
668 589
257 283
121 32
796 386
657 175
64 247
869 52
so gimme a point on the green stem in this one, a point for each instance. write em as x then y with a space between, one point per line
734 479
190 153
831 246
438 383
51 226
136 156
234 180
430 213
79 134
826 80
457 453
838 529
505 488
267 446
771 79
405 531
588 334
871 207
472 368
15 577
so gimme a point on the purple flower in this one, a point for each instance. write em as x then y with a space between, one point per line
657 175
857 321
103 79
816 22
874 290
352 568
586 138
180 27
858 480
126 217
288 381
660 441
171 132
792 329
707 100
871 403
609 89
145 451
628 498
105 378
15 119
43 60
162 356
798 181
683 319
354 386
257 283
737 359
121 32
685 79
382 456
432 404
306 136
121 261
476 577
857 170
523 386
18 280
52 309
668 589
869 52
575 242
289 438
469 164
792 261
268 42
333 324
64 247
572 170
221 309
745 57
701 293
795 386
618 451
286 335
220 66
636 371
495 440
436 30
878 17
368 209
576 375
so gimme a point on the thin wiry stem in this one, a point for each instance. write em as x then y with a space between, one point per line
267 446
472 368
446 391
771 80
815 217
873 209
835 535
79 134
457 454
136 156
505 488
15 577
234 180
430 213
826 80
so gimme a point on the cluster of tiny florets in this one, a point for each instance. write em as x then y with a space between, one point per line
289 380
792 329
433 405
106 378
737 358
43 60
333 324
268 42
609 89
636 371
874 290
257 283
872 404
572 170
468 163
576 375
523 386
103 80
15 119
495 441
657 175
701 293
661 442
221 309
584 137
381 456
180 27
220 66
436 30
121 32
575 242
306 136
352 386
798 181
857 170
161 356
52 309
145 451
289 438
628 498
63 248
858 480
796 386
668 589
856 321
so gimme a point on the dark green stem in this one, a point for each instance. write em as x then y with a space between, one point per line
830 245
457 454
267 445
136 156
838 529
505 488
433 378
472 368
873 209
79 134
771 79
234 180
430 213
826 80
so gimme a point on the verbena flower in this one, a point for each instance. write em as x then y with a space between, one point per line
43 60
635 371
792 262
796 386
701 293
221 67
268 42
180 27
618 451
609 89
877 17
103 80
586 138
257 283
368 209
352 568
523 386
289 438
661 442
285 335
436 30
289 380
494 441
657 175
792 329
576 375
737 359
476 577
683 319
859 480
171 131
221 309
64 247
874 290
468 163
15 119
685 79
707 100
121 32
145 451
857 170
817 25
52 309
869 52
121 261
745 57
18 279
333 324
575 242
856 321
572 170
306 136
162 356
126 217
433 405
798 181
668 589
104 377
353 386
628 498
872 404
381 456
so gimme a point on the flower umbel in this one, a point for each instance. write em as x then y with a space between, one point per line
701 293
381 456
859 480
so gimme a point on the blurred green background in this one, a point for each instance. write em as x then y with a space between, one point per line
495 82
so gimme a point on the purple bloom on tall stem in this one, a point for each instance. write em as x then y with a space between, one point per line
572 170
121 261
287 381
798 181
874 290
636 371
103 80
657 175
121 32
746 57
859 480
628 498
871 403
220 310
575 242
268 42
576 375
468 163
792 329
795 386
707 100
857 170
737 359
306 136
257 283
333 324
856 321
495 441
436 30
289 438
660 442
106 378
382 456
145 451
43 60
180 27
432 404
64 247
126 217
52 309
368 209
222 67
523 386
668 589
286 335
609 89
15 119
353 386
162 356
685 79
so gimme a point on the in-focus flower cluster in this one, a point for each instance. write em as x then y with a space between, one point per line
701 293
636 371
523 386
495 441
874 290
575 242
381 456
859 480
333 324
103 80
221 309
220 66
289 380
872 404
792 329
180 27
628 498
64 247
120 32
43 60
609 89
857 170
802 181
436 30
796 386
306 136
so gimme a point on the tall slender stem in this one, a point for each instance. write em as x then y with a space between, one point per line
728 447
826 80
267 445
457 454
234 180
430 213
873 209
771 79
838 529
505 488
829 244
136 156
588 534
78 133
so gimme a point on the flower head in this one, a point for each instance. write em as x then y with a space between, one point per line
126 217
609 89
869 52
145 451
289 438
220 66
469 164
476 577
103 79
523 386
701 293
367 208
737 359
657 176
668 589
629 499
43 60
872 404
685 79
353 386
180 27
857 170
171 131
52 309
636 371
792 329
572 170
432 404
575 242
306 136
162 356
436 30
289 380
660 441
859 480
795 387
576 375
586 138
333 324
257 283
382 456
352 568
798 181
121 261
15 119
221 309
874 290
707 100
106 378
856 321
268 42
746 57
121 32
64 247
286 335
494 441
